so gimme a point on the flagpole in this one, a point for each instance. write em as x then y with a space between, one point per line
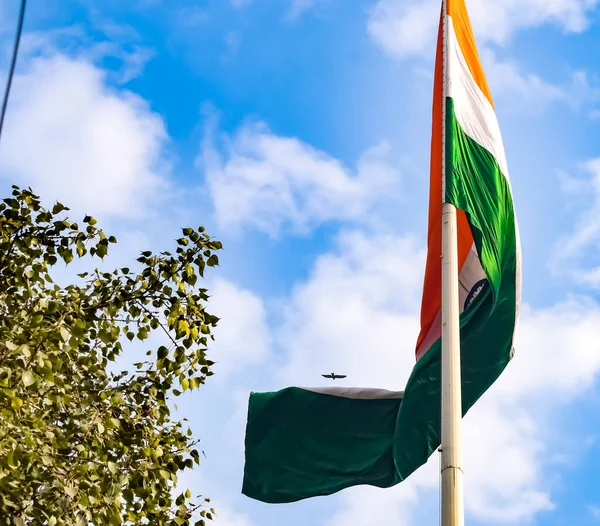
452 474
452 513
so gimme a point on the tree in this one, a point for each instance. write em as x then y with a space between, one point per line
80 444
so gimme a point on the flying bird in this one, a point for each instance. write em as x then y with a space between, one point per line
333 376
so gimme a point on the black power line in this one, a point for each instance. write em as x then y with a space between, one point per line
13 63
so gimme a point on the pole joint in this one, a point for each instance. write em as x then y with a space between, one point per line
453 467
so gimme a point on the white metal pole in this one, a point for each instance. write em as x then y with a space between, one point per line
452 474
451 408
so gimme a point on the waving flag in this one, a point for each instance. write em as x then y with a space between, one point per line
305 442
475 180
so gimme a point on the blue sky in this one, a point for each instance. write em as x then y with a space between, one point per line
297 132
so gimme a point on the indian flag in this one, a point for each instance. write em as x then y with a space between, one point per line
473 176
303 442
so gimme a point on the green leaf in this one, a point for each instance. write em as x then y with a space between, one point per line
213 261
58 208
183 327
71 491
28 378
65 335
67 255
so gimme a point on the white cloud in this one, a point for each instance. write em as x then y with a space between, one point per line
523 90
576 254
503 461
71 137
133 61
583 89
242 337
563 338
119 42
405 28
528 92
381 507
409 27
227 517
266 181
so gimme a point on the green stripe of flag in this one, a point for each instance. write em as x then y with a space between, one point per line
301 443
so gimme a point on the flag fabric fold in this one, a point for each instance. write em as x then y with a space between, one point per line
305 442
302 443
